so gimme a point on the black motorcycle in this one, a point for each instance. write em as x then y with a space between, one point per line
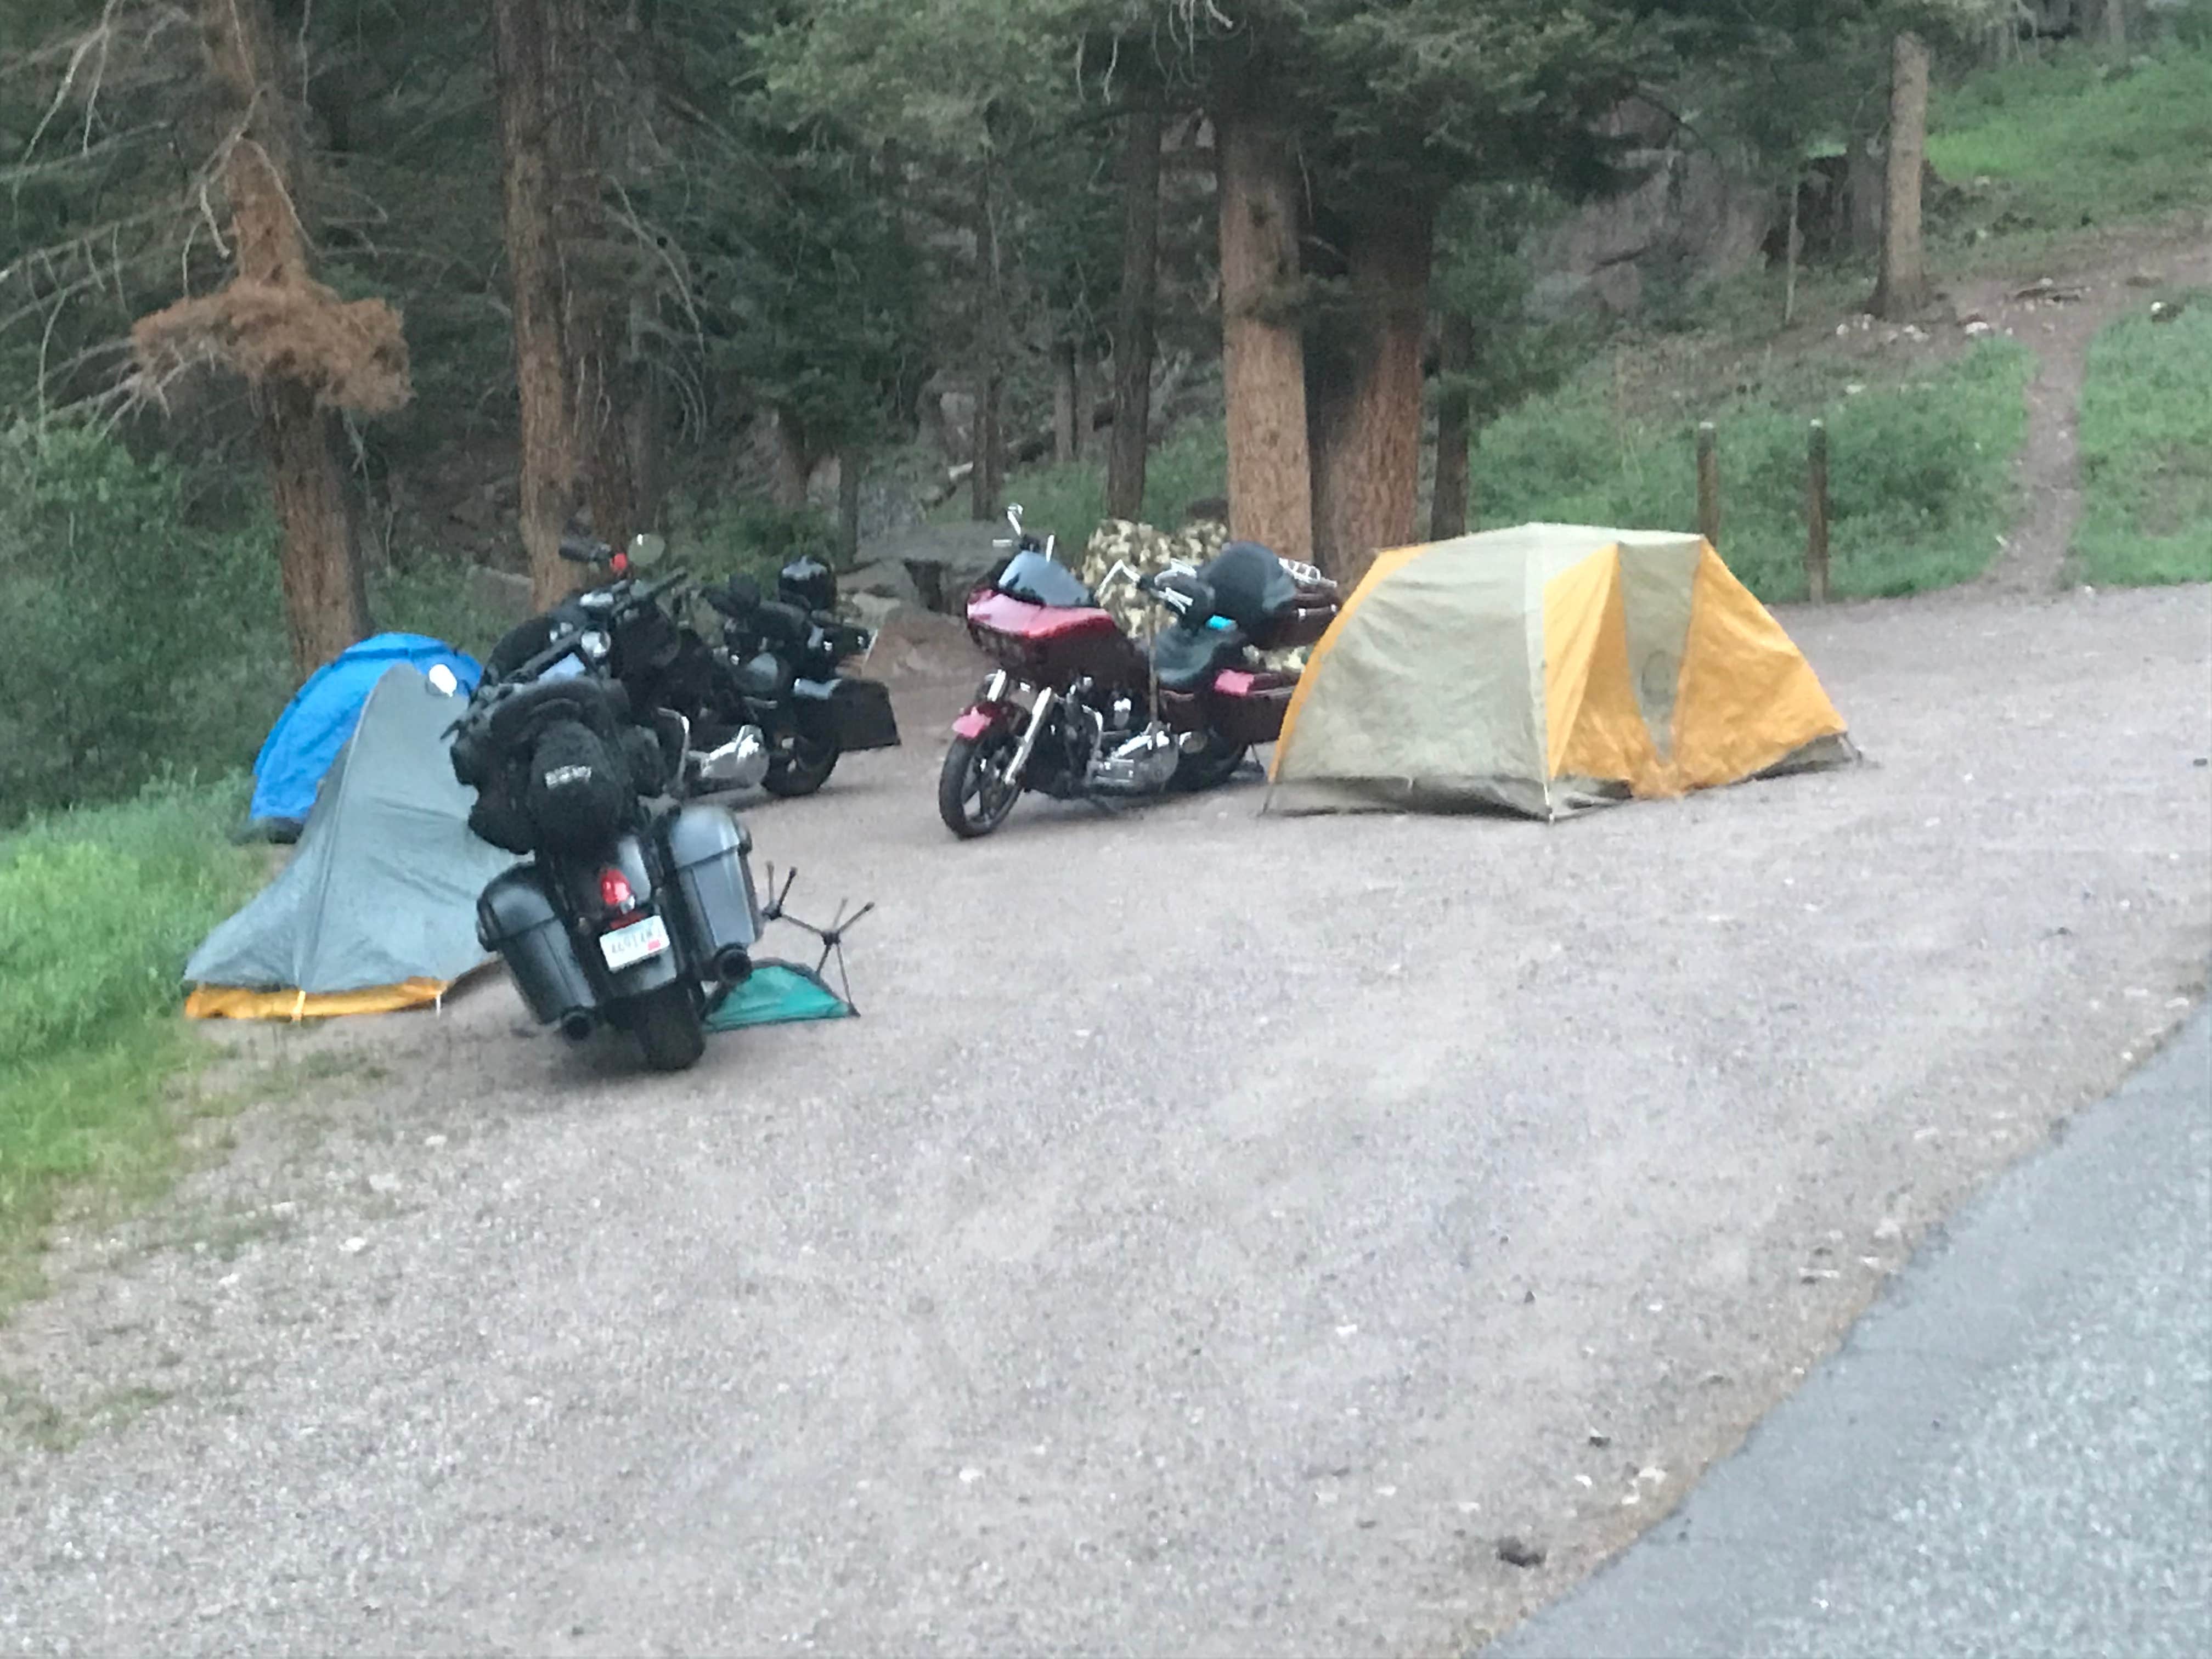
632 909
769 705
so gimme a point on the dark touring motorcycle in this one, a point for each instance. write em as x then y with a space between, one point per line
1078 709
770 706
632 909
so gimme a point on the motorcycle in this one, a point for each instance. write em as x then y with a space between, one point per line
631 909
769 705
628 631
1079 708
784 657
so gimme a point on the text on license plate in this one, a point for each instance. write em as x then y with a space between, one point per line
627 947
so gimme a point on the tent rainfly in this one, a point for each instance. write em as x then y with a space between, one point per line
376 910
1545 670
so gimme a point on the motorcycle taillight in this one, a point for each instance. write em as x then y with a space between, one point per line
615 892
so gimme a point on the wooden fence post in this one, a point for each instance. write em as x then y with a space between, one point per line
1816 514
1709 484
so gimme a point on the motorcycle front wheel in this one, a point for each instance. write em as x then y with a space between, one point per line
973 793
801 768
665 1022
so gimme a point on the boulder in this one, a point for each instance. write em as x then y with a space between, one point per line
885 579
943 561
500 591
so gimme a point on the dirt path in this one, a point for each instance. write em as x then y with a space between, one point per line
2057 319
1217 1233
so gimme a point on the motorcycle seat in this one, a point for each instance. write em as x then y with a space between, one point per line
1187 659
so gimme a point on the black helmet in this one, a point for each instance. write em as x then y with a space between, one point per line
809 583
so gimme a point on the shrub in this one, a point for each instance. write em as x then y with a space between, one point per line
136 643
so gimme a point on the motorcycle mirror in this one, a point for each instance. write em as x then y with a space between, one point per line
646 551
1014 516
442 680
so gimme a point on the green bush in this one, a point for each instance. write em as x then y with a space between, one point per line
1919 475
1069 499
137 643
2146 451
743 535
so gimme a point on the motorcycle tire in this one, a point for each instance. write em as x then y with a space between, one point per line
1213 765
800 769
666 1024
962 779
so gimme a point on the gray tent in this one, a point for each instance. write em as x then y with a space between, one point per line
377 908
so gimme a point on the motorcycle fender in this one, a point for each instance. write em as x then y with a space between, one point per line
976 721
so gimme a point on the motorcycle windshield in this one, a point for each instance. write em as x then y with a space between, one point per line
1040 581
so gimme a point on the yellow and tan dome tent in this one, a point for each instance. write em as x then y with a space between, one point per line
1543 669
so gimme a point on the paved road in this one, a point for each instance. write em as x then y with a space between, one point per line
2008 1456
1218 1231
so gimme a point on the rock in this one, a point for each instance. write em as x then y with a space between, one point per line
885 578
476 510
500 591
1517 1553
942 561
921 645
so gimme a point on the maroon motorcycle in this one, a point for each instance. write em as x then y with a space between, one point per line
1079 709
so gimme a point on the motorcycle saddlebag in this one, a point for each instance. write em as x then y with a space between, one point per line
515 918
706 848
858 712
1248 708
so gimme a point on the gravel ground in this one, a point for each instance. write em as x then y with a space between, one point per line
2009 1454
1217 1233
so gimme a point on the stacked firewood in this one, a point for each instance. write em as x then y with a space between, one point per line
1148 551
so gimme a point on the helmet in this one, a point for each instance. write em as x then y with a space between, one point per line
807 583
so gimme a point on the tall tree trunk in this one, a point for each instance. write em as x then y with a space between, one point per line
609 387
1364 401
1903 291
1863 192
325 601
1262 355
790 462
531 65
2112 26
849 465
1792 246
987 444
1455 424
1065 419
986 453
643 438
1135 316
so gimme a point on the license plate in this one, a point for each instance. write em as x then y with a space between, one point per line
627 947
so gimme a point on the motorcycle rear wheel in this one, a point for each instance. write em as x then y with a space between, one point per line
973 796
1214 764
666 1024
800 769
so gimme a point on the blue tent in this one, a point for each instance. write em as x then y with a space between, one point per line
320 717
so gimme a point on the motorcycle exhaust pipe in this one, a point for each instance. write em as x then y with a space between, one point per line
731 965
577 1024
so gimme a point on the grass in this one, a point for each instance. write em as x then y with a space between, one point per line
2070 140
98 908
1920 471
2146 440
